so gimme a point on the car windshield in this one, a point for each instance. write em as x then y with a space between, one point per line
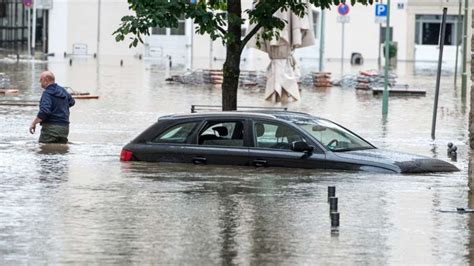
332 136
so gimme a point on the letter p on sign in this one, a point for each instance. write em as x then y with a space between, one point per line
380 10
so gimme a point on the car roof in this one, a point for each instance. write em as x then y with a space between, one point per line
286 115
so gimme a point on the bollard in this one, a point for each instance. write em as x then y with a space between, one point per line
450 148
332 204
70 61
140 57
331 192
454 154
334 219
121 62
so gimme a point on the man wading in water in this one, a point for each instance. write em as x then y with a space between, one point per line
53 115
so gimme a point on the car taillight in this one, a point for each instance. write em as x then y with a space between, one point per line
126 156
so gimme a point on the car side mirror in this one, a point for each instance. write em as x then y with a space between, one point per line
301 146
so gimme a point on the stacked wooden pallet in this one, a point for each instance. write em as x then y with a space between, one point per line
213 76
322 79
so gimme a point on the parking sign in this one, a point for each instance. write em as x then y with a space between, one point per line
380 13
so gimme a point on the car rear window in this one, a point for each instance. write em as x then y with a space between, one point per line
222 133
176 134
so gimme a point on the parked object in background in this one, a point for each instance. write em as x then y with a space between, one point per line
81 95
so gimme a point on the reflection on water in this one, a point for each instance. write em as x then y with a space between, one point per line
77 203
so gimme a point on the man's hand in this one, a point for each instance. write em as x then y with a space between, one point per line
32 128
33 125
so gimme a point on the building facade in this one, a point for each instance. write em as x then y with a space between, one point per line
85 28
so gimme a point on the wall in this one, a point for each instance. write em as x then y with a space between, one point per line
76 21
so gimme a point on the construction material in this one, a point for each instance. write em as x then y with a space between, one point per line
398 90
8 91
81 95
19 103
322 79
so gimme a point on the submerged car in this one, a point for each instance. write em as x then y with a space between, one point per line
268 139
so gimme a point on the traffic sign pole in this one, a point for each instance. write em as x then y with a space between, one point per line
464 53
343 9
387 59
321 41
342 51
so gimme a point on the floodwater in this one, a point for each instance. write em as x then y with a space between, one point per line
78 203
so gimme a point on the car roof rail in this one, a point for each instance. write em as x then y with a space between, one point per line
198 107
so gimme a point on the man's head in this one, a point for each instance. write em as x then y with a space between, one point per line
46 79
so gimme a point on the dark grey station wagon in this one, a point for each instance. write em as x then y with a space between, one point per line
268 139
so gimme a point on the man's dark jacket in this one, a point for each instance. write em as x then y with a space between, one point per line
54 105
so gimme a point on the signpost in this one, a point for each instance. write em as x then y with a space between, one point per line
381 13
28 4
387 59
343 18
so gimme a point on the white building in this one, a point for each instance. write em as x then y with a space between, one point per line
77 27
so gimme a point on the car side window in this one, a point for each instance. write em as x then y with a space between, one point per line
222 133
176 134
275 136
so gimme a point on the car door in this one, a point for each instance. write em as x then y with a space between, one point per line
271 146
168 145
219 141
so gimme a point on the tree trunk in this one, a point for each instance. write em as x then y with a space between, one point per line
232 60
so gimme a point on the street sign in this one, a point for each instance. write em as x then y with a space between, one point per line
343 9
343 19
44 4
28 3
380 13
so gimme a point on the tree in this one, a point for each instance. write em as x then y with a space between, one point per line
221 19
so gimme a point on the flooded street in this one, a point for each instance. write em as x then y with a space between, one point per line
78 203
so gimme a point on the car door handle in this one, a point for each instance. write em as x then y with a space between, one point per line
260 163
199 160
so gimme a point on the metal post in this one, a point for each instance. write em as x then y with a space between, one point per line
210 54
342 50
379 59
28 11
438 76
33 34
321 41
98 27
387 59
464 52
458 34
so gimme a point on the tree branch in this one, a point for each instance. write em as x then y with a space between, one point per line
250 35
222 30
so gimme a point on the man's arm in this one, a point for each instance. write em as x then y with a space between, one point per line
36 121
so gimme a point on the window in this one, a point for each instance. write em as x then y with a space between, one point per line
275 136
158 31
428 29
222 133
332 136
316 24
180 30
177 134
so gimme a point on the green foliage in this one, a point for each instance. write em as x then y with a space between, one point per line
211 17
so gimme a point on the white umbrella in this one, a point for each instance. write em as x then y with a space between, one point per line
283 72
